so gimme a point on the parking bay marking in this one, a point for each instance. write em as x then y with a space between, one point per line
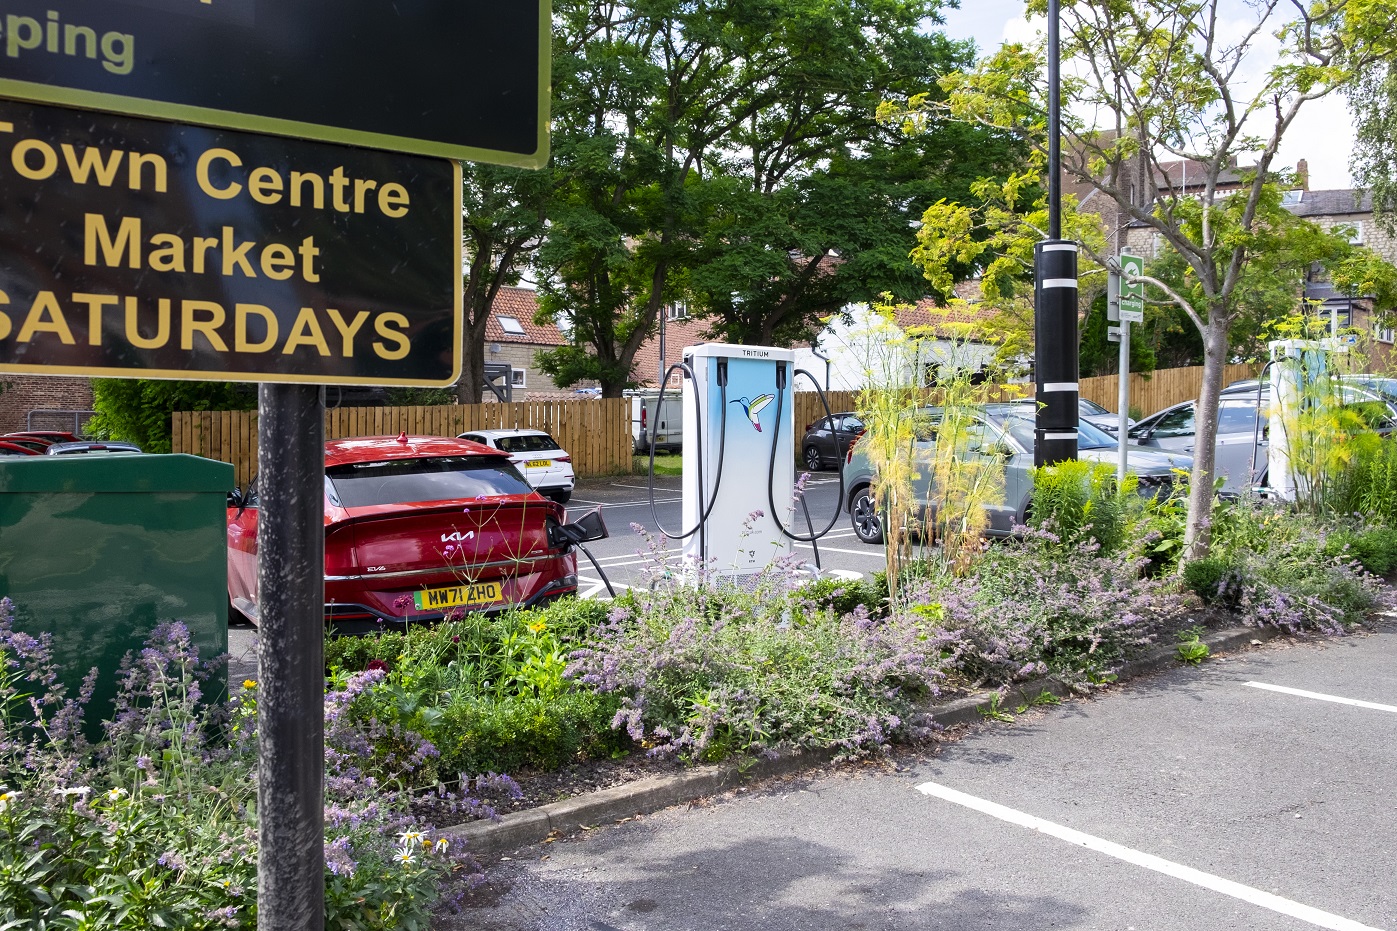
1320 696
832 549
1236 890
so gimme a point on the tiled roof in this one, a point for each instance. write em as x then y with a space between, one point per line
521 304
1330 203
927 313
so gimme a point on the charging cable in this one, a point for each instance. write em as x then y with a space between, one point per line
813 536
705 503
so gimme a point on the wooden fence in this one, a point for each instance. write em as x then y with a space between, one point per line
1158 390
595 431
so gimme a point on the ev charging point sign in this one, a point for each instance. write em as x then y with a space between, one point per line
1132 300
138 248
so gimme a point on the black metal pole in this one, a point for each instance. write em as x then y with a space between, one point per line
1055 296
291 657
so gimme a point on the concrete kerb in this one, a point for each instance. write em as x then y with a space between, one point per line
607 806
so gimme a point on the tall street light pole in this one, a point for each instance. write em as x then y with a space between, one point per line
1055 294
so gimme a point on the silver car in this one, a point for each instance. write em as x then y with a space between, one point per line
1092 413
1243 444
1005 430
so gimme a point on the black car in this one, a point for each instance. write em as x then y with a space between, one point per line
819 446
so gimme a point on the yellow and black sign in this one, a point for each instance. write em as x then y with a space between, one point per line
141 248
464 79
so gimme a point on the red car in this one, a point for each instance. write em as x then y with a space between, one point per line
417 528
9 448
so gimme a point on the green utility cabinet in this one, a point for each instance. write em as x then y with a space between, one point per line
98 549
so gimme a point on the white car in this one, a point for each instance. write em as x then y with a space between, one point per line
537 455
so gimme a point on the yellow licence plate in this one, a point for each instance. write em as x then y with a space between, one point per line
459 596
538 463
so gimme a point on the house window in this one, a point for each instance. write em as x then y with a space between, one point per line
1383 334
1357 237
511 325
516 378
677 311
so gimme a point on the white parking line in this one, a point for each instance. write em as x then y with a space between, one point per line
1188 874
834 549
1320 696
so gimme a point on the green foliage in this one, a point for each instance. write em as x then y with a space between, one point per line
1373 546
1369 485
1079 501
139 411
1191 650
488 691
724 183
1205 578
844 596
419 397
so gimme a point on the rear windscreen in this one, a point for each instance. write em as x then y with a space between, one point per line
411 481
535 443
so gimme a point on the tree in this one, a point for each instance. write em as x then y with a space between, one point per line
1163 81
709 152
502 223
1373 102
138 410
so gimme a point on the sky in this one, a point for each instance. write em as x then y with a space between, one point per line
1322 134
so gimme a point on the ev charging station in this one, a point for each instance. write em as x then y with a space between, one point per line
739 458
1295 364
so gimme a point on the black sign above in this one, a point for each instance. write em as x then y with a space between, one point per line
466 79
139 248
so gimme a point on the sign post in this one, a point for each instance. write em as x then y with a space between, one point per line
1130 308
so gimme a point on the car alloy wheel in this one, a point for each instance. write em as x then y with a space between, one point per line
864 514
812 459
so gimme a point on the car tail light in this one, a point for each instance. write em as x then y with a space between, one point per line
562 459
852 443
808 426
643 418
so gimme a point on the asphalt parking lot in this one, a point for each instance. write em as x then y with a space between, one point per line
630 558
1254 793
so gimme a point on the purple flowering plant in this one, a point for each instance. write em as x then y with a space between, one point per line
155 824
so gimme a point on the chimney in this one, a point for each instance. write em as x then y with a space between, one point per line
1302 174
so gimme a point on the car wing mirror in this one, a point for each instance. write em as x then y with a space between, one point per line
585 529
235 499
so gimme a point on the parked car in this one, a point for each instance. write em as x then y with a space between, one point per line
31 443
1092 413
417 527
83 447
820 445
1004 429
535 454
1243 444
52 436
8 448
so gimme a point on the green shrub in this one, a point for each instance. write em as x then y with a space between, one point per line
843 596
1375 548
528 733
1079 501
1205 578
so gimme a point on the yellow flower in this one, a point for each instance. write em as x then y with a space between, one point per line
538 626
249 683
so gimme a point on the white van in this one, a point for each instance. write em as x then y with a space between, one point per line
652 423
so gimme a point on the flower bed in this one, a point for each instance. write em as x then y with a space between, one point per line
156 822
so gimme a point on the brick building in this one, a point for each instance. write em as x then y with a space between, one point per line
42 402
512 336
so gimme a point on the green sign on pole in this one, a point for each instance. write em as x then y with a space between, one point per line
1132 303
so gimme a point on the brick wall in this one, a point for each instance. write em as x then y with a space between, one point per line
25 393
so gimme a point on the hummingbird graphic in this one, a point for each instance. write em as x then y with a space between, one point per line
753 408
